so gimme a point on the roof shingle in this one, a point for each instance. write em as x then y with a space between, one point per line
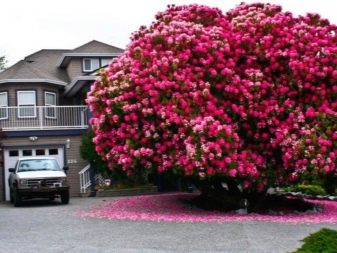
43 64
95 46
40 65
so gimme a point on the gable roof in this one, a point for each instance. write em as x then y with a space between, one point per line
37 67
95 46
45 65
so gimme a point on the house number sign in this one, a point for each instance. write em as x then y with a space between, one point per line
71 161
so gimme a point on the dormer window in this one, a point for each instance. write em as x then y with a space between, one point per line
105 62
90 64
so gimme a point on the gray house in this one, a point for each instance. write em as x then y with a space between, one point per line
42 108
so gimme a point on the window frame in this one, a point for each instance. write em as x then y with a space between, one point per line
6 105
40 149
103 59
13 150
53 149
91 67
18 92
30 151
50 106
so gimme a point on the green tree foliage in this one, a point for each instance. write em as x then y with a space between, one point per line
87 151
3 62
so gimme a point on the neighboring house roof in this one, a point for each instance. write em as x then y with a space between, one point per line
38 67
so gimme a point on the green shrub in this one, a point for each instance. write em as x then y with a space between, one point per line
116 174
323 241
88 152
306 189
330 183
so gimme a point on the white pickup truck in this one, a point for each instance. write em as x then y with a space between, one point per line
38 177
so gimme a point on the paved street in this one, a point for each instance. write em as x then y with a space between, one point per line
52 227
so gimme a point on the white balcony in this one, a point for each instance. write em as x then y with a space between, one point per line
21 118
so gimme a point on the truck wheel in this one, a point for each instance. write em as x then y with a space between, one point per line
65 197
16 197
11 196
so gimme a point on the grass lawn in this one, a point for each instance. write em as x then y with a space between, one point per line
323 241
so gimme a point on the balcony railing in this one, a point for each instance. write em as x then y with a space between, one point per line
13 118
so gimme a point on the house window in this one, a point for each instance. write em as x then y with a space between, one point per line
27 152
53 151
13 153
105 62
3 105
27 104
90 64
50 103
40 152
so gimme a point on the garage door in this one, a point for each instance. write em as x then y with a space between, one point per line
13 154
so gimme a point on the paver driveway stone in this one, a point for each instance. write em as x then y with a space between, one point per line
41 226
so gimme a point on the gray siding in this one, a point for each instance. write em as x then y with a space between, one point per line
40 88
74 68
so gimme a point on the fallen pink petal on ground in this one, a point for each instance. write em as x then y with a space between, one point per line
171 207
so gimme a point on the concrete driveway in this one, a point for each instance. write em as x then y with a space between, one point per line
42 226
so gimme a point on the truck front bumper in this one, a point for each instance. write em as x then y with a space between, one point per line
36 192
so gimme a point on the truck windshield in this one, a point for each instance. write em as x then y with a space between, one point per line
38 164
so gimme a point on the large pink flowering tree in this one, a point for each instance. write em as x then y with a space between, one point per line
249 97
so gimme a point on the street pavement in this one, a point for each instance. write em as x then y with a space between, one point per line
41 226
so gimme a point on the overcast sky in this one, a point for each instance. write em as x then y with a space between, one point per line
28 26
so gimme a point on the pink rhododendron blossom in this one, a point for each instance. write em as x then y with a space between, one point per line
173 208
250 94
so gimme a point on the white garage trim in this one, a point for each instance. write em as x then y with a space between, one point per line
13 153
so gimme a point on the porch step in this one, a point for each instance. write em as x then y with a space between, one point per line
86 194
